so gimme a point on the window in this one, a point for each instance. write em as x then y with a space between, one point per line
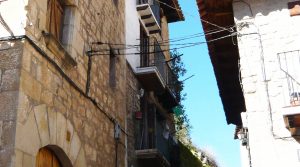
289 63
55 13
144 47
112 69
294 8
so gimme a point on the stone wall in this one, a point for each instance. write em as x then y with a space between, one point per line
43 90
265 29
10 65
133 105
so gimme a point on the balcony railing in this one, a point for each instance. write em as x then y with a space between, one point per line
158 60
158 142
290 65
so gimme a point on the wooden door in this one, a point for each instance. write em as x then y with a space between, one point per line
46 158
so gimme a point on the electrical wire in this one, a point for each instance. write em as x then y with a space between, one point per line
195 35
132 46
98 52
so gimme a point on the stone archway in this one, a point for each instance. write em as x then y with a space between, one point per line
39 127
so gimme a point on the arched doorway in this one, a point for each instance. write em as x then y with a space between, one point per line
47 158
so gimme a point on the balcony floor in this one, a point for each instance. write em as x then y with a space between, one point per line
151 158
150 78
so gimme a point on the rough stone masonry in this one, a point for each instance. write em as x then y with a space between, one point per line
43 101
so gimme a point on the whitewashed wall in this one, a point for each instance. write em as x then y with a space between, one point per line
266 29
132 33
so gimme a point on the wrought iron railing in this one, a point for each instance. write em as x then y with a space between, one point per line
290 65
158 138
158 60
155 7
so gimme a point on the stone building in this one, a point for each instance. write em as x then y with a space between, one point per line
257 70
62 92
71 94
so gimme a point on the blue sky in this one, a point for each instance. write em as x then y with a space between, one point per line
203 105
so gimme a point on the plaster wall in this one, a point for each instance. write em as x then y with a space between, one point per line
132 33
265 29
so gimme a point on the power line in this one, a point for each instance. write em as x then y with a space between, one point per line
136 46
100 52
196 35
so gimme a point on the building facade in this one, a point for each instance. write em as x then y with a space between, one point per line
59 100
264 36
150 83
73 92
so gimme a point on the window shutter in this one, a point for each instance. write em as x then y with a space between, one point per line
55 11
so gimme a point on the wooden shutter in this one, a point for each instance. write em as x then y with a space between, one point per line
46 158
55 18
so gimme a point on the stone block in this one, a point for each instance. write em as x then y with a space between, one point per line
30 86
18 159
61 131
69 136
28 160
41 117
52 125
25 106
80 160
74 148
27 136
10 80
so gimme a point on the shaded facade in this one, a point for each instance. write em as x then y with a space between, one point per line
151 81
266 42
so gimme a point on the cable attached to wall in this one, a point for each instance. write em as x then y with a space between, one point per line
64 75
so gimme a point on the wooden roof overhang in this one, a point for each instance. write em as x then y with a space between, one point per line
172 10
224 56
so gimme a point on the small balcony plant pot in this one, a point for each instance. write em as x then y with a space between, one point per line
295 99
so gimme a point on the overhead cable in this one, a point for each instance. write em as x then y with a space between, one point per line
100 52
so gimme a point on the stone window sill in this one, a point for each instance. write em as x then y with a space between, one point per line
58 50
